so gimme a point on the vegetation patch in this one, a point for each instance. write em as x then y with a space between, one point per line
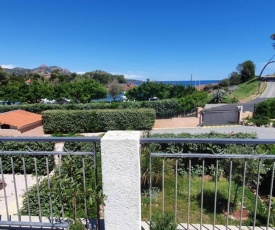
80 121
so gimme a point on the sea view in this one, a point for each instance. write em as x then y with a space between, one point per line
194 83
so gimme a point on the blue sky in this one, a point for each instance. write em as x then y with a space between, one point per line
155 39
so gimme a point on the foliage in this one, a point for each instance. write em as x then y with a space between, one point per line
104 78
238 164
224 83
234 78
163 108
114 89
3 77
164 221
77 226
78 121
260 120
148 90
66 191
196 148
79 89
158 89
264 111
29 160
156 167
218 96
246 70
189 103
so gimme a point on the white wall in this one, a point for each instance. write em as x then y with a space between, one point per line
120 155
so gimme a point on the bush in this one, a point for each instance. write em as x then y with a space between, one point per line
164 221
164 108
190 103
29 160
261 120
78 121
67 190
265 109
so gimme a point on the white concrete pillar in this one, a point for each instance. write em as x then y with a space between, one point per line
240 110
120 157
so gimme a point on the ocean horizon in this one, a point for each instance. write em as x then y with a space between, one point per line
187 83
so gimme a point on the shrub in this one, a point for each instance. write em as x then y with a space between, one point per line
29 160
164 108
261 120
190 103
78 121
67 190
164 221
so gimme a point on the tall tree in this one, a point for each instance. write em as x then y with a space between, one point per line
114 89
4 79
85 90
246 70
234 78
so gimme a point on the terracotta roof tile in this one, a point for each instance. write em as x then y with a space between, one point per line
19 118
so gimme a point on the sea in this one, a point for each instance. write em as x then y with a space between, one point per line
193 83
186 83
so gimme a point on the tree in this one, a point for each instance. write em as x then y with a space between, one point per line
224 83
179 91
234 78
114 89
246 70
160 90
4 79
85 90
34 92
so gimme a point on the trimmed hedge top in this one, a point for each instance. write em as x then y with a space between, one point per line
79 121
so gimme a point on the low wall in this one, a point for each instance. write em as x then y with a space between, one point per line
247 114
38 131
176 122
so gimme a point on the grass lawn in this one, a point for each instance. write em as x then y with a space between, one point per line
247 89
195 201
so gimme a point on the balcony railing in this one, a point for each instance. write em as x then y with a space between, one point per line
204 183
210 183
46 182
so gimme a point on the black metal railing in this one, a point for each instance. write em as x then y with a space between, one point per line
210 182
60 179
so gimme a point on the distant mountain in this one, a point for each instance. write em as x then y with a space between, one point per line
45 70
42 70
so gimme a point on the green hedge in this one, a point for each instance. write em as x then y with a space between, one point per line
78 121
163 108
265 109
29 160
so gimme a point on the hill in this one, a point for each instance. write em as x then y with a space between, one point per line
42 70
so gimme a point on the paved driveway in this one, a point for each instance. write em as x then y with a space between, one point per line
227 114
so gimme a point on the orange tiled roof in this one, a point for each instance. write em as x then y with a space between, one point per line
19 118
